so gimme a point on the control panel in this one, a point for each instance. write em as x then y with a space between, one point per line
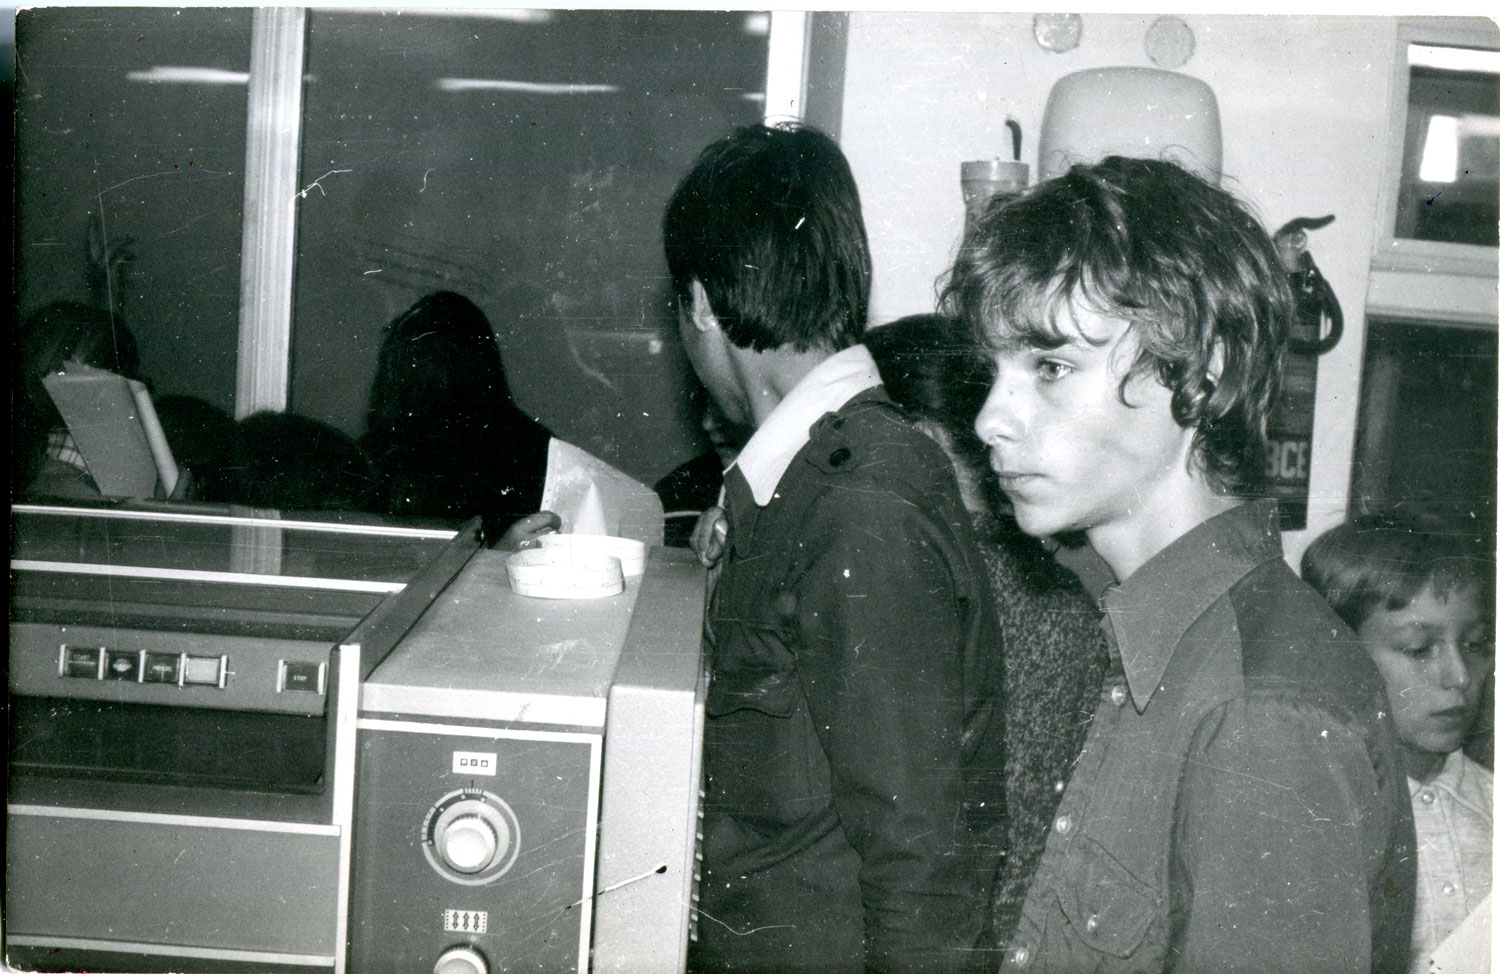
474 849
175 669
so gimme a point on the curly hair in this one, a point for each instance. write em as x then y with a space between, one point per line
1184 262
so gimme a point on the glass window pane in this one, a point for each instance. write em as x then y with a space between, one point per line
1450 172
522 159
1427 422
130 153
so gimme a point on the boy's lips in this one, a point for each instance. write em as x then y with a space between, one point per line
1014 478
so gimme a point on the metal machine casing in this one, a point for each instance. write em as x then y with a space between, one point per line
376 692
182 696
565 731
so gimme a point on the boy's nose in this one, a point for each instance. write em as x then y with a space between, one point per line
999 418
1454 674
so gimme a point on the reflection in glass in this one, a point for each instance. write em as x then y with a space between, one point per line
523 162
130 159
1450 172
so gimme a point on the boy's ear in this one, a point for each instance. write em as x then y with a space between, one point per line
699 311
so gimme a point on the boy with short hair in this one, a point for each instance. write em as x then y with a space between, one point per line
1238 804
854 812
1421 599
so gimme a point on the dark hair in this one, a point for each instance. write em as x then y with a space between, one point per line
929 366
442 428
439 367
768 221
1145 241
293 462
205 439
1384 560
68 331
54 334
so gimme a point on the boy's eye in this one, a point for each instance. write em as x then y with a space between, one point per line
1417 650
1050 370
1478 647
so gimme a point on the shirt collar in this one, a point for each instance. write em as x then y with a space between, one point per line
1152 609
1452 779
830 384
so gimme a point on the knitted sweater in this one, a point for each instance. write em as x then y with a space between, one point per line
1055 661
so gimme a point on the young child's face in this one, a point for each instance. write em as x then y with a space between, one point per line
1070 455
1433 654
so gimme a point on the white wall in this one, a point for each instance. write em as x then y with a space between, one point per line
1304 104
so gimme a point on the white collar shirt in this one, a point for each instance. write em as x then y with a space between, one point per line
1453 814
831 383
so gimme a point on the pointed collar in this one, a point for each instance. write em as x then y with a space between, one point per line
1151 610
830 384
1462 779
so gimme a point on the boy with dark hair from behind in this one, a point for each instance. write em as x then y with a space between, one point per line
1238 804
1421 597
854 812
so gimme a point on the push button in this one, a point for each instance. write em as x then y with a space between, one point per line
82 663
163 668
120 664
1118 695
301 677
205 670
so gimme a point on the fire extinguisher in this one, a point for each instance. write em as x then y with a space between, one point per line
1316 329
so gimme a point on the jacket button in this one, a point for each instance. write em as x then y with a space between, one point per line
1020 957
1428 797
1064 824
1092 924
839 457
1118 694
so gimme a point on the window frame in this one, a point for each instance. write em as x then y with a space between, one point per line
278 41
1405 255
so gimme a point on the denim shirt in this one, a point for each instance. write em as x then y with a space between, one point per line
1239 804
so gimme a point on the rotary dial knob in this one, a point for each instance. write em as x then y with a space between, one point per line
460 960
468 844
471 836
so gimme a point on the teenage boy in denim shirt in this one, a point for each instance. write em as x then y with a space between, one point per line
1239 803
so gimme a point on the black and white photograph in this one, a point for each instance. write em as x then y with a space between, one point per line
613 489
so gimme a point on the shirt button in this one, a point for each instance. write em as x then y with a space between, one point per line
1428 797
1118 694
1092 924
1449 889
1064 824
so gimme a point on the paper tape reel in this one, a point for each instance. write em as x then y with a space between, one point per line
575 566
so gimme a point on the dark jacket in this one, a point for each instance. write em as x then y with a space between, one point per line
854 815
1239 804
